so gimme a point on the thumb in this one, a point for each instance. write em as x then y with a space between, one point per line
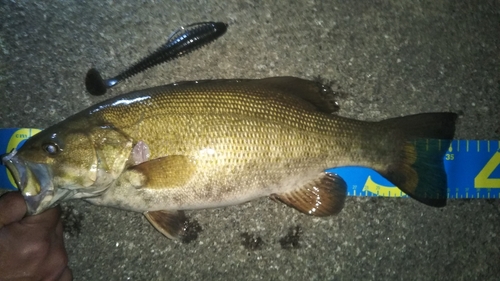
12 208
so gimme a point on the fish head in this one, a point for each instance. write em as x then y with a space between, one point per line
67 161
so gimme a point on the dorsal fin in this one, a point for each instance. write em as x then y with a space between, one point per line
310 91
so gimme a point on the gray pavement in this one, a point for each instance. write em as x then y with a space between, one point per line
392 58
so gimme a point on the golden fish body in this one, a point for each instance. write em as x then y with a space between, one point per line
208 144
230 145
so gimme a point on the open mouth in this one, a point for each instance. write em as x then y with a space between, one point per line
33 180
16 167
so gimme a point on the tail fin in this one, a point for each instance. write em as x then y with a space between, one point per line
420 172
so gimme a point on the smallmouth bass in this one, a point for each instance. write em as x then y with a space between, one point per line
207 144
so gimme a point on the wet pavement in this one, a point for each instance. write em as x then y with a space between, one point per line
391 58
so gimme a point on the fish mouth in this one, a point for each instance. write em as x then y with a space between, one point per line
17 169
33 180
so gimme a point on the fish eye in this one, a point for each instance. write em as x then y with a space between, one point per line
51 148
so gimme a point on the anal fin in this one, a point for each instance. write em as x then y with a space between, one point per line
172 224
321 197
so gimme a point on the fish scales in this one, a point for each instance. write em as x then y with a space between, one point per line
243 141
206 144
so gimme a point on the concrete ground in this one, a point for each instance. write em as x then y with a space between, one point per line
391 58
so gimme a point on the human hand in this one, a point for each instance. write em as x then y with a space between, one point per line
31 248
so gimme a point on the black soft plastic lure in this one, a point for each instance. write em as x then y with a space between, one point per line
181 42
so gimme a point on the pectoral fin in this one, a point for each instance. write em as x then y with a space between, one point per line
321 197
170 223
166 172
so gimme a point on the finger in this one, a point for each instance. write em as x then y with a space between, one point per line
56 263
48 218
12 208
67 275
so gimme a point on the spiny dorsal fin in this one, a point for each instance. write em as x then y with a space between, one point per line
321 197
312 92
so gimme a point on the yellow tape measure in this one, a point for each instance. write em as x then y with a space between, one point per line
12 139
472 168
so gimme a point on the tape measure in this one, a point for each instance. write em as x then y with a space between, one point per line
472 166
10 139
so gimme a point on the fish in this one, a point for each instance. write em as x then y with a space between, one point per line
214 143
